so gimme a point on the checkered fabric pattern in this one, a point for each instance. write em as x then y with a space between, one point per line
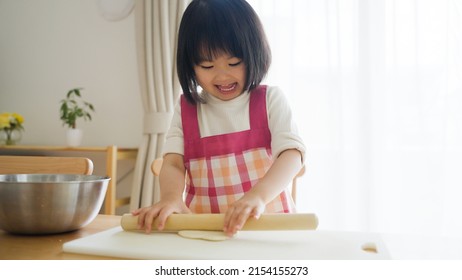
220 181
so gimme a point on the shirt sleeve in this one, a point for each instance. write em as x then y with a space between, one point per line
174 140
284 132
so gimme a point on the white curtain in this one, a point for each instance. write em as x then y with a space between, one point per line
157 23
376 87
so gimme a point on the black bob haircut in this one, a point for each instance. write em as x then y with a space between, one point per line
211 27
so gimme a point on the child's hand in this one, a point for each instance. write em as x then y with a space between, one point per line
248 206
159 211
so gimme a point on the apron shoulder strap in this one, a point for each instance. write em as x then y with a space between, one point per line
257 108
189 119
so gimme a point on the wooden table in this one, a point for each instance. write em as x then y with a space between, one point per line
49 247
113 154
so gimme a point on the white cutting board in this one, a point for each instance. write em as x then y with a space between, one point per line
276 245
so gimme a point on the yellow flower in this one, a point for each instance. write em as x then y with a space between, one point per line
11 121
4 120
18 117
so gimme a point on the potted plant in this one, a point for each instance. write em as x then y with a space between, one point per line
73 107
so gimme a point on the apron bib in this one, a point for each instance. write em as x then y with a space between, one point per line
222 168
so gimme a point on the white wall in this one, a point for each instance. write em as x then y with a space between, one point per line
50 46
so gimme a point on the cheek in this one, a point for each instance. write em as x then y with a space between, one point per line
241 74
201 74
241 70
197 76
201 79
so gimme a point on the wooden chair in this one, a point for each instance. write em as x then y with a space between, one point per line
157 165
45 165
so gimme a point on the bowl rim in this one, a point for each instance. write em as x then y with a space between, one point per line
73 178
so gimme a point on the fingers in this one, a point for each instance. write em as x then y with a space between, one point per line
136 212
235 220
149 218
157 215
162 218
146 216
255 214
237 215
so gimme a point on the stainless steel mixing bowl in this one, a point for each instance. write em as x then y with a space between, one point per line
49 203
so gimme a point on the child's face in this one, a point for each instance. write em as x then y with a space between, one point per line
223 77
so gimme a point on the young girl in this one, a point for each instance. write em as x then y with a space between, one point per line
234 142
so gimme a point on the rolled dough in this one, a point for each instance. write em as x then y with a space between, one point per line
204 234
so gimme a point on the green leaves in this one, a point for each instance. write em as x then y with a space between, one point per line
74 107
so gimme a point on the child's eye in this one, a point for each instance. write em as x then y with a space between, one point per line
235 64
206 66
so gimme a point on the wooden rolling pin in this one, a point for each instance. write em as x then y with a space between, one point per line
177 222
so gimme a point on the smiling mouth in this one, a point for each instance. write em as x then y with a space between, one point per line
227 88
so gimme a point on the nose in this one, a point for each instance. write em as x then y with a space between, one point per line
222 74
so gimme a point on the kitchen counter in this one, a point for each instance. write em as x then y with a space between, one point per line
49 247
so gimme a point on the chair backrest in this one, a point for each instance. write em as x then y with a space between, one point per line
157 165
45 165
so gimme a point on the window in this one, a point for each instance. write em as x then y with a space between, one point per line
376 88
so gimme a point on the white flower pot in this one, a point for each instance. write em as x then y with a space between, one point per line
74 137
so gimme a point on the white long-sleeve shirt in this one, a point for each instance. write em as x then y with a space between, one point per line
221 117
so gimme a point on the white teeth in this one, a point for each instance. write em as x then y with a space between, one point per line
227 88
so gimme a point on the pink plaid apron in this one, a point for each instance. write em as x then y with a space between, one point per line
221 168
